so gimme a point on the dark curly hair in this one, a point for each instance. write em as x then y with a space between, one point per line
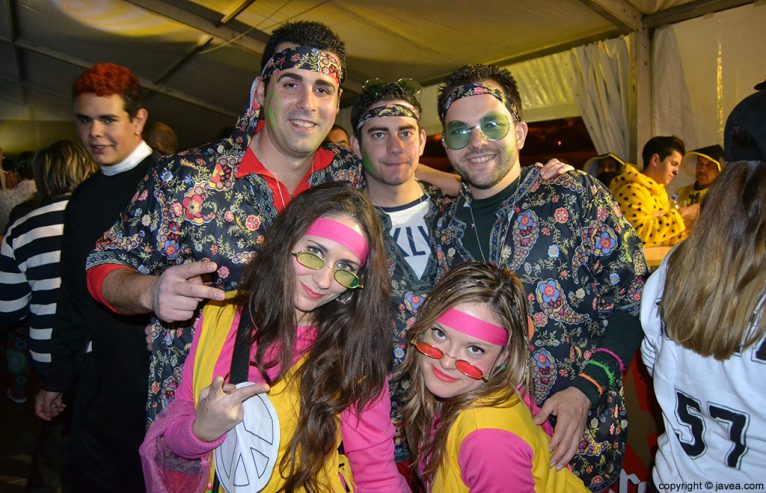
388 92
663 146
305 33
105 79
468 74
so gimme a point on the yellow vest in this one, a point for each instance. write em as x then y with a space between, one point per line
515 417
688 195
218 321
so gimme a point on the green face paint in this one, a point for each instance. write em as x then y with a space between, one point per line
272 108
369 167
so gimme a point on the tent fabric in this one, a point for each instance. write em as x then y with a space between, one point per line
700 69
671 104
721 59
602 77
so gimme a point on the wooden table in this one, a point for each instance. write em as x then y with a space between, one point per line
654 255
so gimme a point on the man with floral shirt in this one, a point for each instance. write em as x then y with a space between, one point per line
580 261
200 215
389 140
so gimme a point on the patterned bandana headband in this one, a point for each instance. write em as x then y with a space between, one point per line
474 327
476 89
306 58
336 231
391 109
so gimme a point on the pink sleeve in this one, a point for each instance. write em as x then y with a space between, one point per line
179 435
184 391
164 470
492 459
368 440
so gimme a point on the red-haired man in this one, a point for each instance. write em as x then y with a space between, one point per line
97 354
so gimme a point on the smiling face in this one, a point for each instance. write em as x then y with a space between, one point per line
299 107
390 148
486 166
440 375
314 288
105 128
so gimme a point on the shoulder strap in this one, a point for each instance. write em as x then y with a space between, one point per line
240 363
240 359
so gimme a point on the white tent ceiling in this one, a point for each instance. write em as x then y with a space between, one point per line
197 59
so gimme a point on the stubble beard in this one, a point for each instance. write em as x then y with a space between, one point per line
483 181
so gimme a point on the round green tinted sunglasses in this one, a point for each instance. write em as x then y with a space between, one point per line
493 126
312 261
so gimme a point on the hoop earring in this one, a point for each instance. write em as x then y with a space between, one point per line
345 298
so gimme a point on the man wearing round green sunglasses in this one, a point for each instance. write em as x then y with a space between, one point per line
580 261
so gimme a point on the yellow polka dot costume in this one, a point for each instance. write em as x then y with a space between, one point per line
645 204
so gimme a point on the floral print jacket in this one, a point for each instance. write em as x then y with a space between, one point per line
579 260
193 207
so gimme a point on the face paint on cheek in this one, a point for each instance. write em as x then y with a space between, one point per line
510 150
272 107
367 162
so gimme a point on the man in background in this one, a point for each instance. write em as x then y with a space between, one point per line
161 138
644 200
98 355
745 132
339 137
19 185
708 166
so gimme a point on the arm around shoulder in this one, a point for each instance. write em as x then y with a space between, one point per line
449 183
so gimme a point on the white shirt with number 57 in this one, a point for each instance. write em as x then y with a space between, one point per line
714 411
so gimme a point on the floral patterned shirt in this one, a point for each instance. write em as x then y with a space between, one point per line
408 292
193 206
579 260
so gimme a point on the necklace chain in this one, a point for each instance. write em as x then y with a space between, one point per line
512 212
476 231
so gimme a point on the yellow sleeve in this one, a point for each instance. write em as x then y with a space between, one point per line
655 225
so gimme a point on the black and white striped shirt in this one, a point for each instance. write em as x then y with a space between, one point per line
30 274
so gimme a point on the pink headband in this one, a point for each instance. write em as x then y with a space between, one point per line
475 327
337 231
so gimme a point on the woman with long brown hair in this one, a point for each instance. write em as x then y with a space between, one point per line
469 418
310 328
703 317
